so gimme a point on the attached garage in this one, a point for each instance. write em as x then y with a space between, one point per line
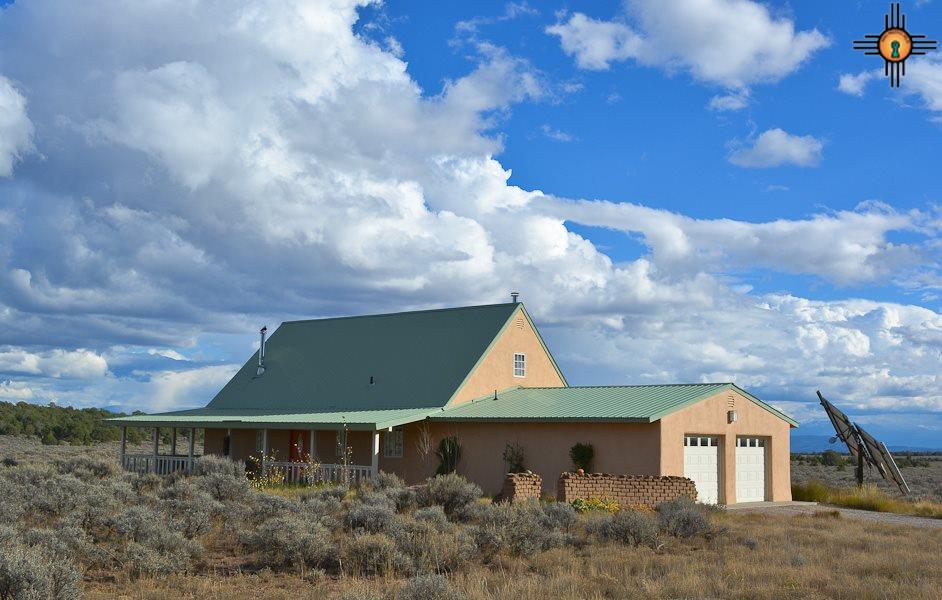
750 469
702 465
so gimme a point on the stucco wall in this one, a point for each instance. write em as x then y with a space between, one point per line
624 448
709 417
496 370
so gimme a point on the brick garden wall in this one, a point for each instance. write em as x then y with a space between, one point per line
624 489
521 486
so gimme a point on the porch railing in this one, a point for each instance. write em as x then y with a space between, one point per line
161 465
295 472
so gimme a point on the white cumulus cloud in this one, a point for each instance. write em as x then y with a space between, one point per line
732 43
777 147
16 130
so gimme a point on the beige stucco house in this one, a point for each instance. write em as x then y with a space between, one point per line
396 385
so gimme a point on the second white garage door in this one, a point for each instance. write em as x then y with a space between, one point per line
701 464
750 469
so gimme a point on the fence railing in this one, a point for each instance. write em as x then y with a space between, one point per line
294 472
161 465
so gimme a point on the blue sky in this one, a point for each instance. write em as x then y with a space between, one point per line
728 192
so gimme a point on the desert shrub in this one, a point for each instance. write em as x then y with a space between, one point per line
384 480
86 468
327 492
9 461
374 554
322 510
521 528
514 458
582 455
428 548
146 483
633 527
223 486
560 515
289 542
138 523
63 542
433 515
193 517
599 524
681 518
218 465
391 488
369 517
450 491
449 455
429 587
259 506
26 574
750 543
174 554
832 458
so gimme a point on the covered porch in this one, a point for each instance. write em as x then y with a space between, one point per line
295 448
292 455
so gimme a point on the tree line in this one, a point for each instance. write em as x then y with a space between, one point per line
63 424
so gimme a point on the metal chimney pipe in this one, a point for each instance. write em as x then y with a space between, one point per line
514 296
261 352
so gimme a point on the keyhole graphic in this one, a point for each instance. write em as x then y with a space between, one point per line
895 46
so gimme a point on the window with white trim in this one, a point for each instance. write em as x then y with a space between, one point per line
520 365
392 443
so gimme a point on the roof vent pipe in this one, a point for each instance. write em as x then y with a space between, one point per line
514 296
261 353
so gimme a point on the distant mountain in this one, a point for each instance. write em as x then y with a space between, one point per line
815 443
819 443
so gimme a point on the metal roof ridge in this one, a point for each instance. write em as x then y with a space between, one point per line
404 312
630 385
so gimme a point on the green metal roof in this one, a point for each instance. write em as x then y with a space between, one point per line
416 359
321 369
632 403
357 420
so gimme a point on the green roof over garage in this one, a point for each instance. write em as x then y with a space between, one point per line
629 403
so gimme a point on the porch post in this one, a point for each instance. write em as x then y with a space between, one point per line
264 449
173 443
156 440
311 437
124 445
375 465
192 446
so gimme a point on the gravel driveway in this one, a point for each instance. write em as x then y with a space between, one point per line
808 508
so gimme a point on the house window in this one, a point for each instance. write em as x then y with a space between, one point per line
392 443
520 365
260 440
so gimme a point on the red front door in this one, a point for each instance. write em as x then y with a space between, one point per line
299 441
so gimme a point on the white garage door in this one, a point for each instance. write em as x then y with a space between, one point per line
750 469
701 464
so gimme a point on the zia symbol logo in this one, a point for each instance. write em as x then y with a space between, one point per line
895 44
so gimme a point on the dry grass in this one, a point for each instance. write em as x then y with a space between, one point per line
868 497
759 557
924 478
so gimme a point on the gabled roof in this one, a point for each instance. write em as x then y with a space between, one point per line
629 403
417 360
